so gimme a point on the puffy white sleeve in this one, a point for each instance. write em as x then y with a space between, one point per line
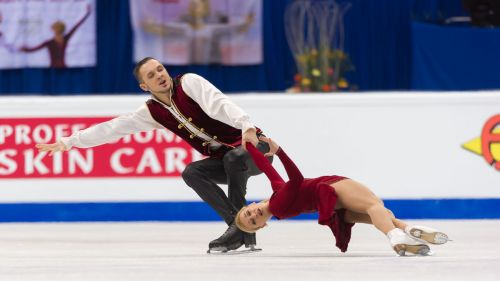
114 129
214 103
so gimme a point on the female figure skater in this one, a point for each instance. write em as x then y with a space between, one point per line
340 201
58 44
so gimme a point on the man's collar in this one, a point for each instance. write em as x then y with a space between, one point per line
161 102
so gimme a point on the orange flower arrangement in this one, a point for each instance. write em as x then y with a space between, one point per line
322 71
315 35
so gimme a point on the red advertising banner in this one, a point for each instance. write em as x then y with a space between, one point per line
158 153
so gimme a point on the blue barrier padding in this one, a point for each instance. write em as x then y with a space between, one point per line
199 211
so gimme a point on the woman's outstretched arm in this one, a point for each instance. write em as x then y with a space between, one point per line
294 174
265 166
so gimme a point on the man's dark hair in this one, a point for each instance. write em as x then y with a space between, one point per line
138 66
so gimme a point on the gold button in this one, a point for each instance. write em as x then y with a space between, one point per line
191 136
215 137
180 126
203 130
190 119
204 143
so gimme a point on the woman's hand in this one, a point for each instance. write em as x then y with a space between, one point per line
273 146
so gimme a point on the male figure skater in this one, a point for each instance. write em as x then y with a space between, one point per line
195 110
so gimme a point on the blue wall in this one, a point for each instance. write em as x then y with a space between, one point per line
199 211
377 39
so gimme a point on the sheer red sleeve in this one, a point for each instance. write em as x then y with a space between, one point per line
265 166
294 174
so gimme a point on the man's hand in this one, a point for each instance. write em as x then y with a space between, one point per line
51 147
249 135
273 146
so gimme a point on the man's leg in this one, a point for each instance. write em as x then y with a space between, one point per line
239 166
236 170
202 176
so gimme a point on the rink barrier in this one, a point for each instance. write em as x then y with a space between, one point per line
199 211
434 155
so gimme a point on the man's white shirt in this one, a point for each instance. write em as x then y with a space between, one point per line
211 100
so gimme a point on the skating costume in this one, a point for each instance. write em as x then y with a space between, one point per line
186 118
299 195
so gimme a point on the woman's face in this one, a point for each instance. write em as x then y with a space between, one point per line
253 216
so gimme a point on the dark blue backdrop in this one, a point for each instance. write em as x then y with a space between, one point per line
454 58
377 38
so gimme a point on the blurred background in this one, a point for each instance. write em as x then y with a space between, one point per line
399 94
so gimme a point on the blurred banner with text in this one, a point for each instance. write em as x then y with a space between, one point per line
198 31
44 33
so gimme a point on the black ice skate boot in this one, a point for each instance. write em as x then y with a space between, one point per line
250 241
231 239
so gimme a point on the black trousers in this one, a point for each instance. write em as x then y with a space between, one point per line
234 169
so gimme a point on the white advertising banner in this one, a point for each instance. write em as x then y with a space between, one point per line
403 146
47 33
198 31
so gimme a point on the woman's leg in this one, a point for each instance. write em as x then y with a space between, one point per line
364 207
359 199
397 222
353 217
421 233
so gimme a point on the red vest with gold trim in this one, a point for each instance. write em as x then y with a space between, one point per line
228 136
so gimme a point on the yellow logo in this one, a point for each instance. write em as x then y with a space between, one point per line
488 144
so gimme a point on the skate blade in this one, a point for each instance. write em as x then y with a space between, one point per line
252 247
235 252
224 249
217 250
436 238
405 249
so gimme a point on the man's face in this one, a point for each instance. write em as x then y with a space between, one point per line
155 78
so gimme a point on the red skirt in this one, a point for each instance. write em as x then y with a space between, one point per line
333 218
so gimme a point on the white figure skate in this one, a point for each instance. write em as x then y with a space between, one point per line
404 245
426 234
